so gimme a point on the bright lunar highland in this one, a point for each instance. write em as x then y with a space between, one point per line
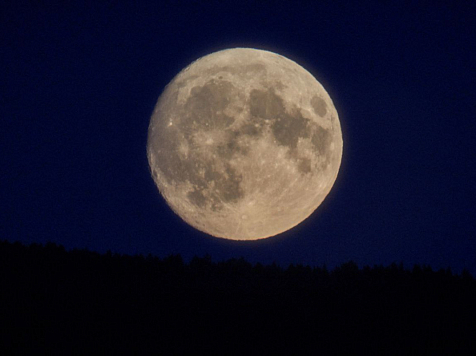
244 144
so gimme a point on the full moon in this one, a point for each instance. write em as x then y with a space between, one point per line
244 144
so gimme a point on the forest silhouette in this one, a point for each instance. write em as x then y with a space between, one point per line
77 302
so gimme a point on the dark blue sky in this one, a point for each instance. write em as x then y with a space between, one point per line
78 84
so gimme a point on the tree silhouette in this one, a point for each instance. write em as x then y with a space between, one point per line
58 301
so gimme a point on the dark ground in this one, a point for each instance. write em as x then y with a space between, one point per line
77 302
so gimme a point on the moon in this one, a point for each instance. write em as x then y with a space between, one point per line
244 144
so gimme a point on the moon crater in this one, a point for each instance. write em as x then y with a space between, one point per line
244 144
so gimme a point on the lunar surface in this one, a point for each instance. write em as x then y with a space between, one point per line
244 144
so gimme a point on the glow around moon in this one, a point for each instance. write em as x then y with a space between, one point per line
244 144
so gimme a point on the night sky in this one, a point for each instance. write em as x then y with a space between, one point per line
78 84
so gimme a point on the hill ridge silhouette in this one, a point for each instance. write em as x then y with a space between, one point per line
76 301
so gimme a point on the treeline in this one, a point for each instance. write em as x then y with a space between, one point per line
75 302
